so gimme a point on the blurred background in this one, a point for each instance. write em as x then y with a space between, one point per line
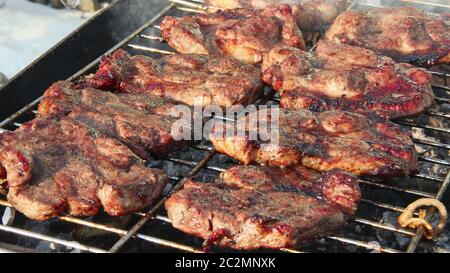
28 28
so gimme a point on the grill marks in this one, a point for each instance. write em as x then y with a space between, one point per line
85 149
189 79
343 77
264 207
243 34
141 121
324 141
405 34
70 157
54 164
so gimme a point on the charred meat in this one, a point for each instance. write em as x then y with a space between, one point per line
251 207
58 164
344 77
311 15
243 34
142 122
189 79
334 187
405 34
63 96
320 141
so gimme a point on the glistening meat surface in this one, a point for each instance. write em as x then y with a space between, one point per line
143 122
251 207
55 165
344 77
190 79
321 141
405 34
311 15
243 34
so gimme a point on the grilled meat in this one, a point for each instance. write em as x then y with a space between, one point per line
54 164
63 96
141 121
344 77
243 34
334 187
311 15
190 79
323 141
253 207
405 34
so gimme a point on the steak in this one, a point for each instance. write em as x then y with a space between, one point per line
251 207
334 187
348 78
405 34
58 164
141 121
63 96
190 79
320 141
311 15
244 34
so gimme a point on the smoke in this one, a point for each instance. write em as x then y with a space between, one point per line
435 6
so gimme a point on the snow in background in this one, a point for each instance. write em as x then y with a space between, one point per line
28 30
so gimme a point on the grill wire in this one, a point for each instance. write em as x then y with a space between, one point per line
147 40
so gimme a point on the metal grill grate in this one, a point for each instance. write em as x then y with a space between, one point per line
378 198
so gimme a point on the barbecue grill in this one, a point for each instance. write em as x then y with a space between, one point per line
134 26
